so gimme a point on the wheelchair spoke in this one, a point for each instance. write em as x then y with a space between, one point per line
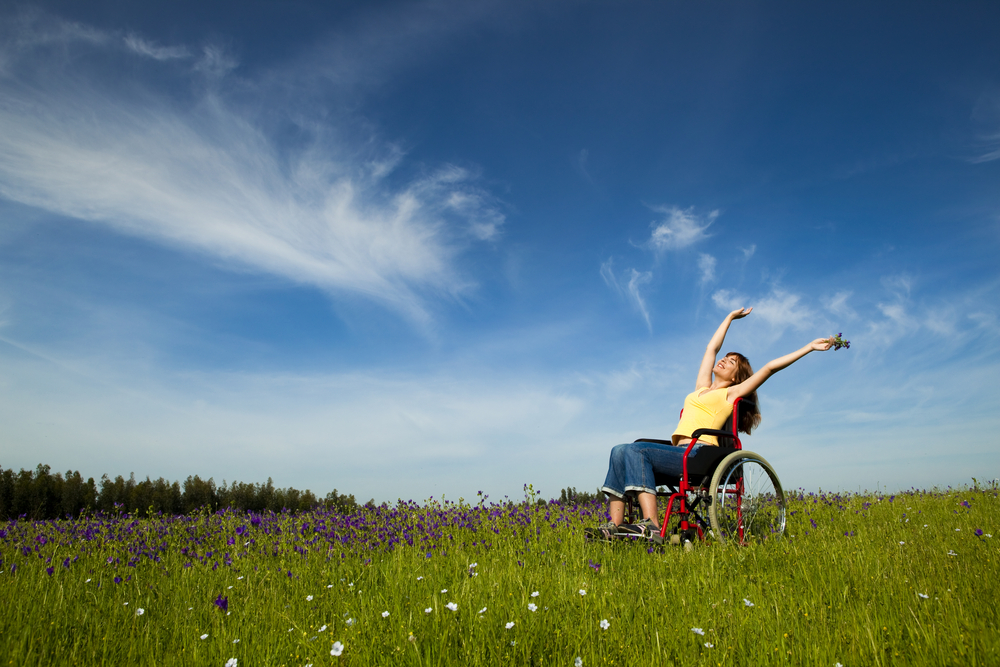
749 505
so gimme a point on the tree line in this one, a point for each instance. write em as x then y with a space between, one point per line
41 495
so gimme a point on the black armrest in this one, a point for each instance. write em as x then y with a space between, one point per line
711 431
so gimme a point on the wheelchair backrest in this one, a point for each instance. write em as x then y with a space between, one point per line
732 424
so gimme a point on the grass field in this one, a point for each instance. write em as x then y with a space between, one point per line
909 579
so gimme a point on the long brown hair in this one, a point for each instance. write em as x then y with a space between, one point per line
750 406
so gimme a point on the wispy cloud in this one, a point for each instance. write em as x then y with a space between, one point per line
986 115
779 308
210 176
837 304
706 264
634 280
680 228
146 48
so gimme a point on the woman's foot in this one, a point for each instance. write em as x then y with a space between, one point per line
645 529
605 532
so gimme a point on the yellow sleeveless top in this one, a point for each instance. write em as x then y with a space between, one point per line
710 410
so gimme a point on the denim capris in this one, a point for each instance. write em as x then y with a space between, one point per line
634 467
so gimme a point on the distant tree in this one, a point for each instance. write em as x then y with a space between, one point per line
571 496
40 495
340 503
198 494
77 495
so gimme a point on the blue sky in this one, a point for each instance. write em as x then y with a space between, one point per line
429 248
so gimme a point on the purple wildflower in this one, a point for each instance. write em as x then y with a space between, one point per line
839 342
222 603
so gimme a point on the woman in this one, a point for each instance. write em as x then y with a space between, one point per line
633 467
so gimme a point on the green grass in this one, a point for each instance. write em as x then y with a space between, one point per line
819 597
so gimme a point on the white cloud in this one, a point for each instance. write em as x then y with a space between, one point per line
146 48
986 117
706 264
608 274
748 252
680 228
209 177
484 220
216 62
779 308
784 309
991 152
727 299
900 285
631 292
837 304
636 280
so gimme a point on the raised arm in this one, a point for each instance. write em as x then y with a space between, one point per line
751 384
714 345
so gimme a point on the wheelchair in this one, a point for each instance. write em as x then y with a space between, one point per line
725 491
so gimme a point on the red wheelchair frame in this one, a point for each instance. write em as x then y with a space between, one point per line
720 474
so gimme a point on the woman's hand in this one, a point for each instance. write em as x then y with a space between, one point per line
821 345
740 313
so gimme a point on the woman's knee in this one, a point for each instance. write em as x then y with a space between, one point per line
618 452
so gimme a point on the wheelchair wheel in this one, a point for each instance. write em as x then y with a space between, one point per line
748 504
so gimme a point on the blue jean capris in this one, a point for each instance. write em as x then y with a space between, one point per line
633 467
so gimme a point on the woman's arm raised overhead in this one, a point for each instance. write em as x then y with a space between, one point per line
714 345
751 384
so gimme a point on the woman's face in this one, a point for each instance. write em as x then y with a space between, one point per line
726 368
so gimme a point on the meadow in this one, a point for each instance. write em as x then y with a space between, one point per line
859 579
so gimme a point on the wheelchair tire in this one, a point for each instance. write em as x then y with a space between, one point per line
748 505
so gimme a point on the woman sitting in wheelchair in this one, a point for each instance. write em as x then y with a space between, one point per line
634 467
